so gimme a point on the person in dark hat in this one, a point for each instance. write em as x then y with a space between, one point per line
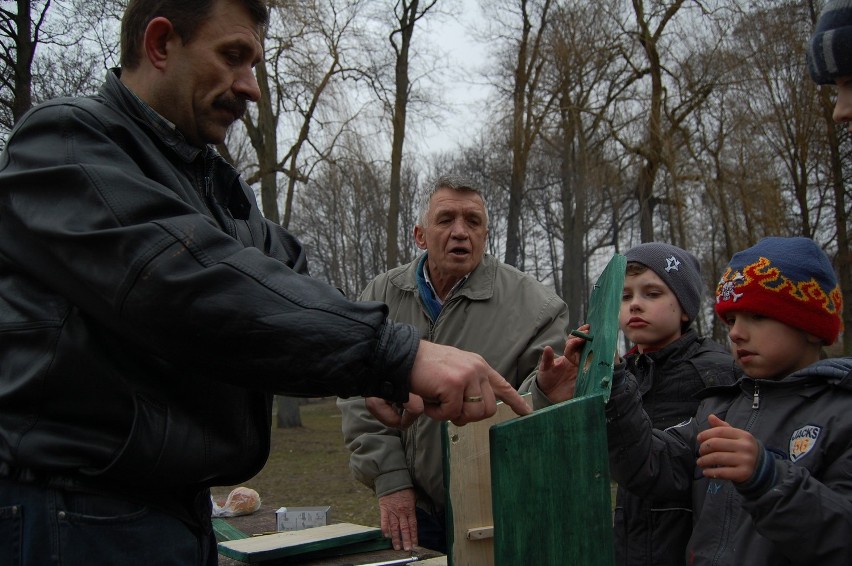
830 55
672 363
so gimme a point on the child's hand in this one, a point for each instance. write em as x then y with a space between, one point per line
557 376
726 452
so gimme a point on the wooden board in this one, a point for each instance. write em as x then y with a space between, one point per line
551 488
596 359
467 478
316 540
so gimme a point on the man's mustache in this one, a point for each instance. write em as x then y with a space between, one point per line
236 105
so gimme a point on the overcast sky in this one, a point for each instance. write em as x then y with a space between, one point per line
466 97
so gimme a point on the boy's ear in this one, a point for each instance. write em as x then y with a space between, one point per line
814 339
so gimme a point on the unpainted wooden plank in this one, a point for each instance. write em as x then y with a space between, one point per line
467 475
290 543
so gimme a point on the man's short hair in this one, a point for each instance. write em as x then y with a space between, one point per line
185 15
454 182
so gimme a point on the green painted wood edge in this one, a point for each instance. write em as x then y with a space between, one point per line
450 525
226 531
596 359
340 552
303 550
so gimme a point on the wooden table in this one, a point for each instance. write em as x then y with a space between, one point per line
263 521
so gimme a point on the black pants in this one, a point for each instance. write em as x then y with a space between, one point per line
46 526
431 531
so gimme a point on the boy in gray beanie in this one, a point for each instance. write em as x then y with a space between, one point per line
671 362
677 268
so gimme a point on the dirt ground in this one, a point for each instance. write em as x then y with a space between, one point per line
309 467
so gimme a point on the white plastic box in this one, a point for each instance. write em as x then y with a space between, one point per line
298 518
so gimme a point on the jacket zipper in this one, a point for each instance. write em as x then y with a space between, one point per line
221 214
755 400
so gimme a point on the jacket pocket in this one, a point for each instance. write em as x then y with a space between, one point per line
143 460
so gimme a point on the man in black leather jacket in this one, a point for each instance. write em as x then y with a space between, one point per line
148 312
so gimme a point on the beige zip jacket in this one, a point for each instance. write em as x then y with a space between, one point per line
503 314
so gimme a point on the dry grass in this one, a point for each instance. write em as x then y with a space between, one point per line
309 467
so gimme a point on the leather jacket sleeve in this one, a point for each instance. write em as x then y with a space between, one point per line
377 453
99 222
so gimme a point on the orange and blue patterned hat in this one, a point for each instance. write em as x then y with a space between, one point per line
788 279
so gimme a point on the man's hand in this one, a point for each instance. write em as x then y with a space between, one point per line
726 452
460 386
449 384
399 521
395 415
557 376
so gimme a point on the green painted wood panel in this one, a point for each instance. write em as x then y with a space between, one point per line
596 359
550 487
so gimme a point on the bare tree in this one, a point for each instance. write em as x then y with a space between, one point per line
669 98
45 53
786 107
305 52
525 24
20 37
585 50
834 135
406 13
394 82
344 212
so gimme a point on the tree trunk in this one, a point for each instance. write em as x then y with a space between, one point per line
288 412
265 143
407 20
841 218
652 152
574 206
25 51
519 158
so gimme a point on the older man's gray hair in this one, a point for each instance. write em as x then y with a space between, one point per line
454 182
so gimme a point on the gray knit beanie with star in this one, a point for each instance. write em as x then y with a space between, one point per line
830 48
678 269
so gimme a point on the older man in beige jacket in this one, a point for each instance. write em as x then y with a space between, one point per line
455 294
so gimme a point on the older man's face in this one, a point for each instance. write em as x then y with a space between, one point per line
454 235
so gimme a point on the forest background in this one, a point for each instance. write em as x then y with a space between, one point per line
607 123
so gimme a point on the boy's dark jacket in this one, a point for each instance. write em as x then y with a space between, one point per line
654 532
800 512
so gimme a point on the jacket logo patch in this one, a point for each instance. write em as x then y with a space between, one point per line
802 441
